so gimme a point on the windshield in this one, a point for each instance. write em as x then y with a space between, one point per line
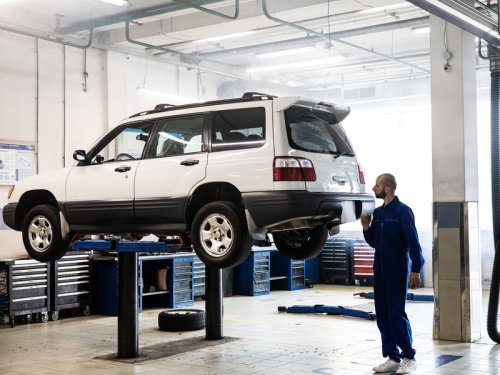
316 130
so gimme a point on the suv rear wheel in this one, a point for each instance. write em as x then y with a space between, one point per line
220 236
301 244
42 234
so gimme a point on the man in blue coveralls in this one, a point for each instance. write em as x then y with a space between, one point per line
393 234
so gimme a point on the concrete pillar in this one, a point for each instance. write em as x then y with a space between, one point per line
456 257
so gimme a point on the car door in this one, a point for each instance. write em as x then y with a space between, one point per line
175 163
100 191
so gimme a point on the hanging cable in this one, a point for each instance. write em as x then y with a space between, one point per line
330 45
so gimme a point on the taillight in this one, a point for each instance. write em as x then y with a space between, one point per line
293 169
361 175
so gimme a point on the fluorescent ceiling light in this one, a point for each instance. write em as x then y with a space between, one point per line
176 99
298 64
227 36
285 52
120 3
421 29
383 9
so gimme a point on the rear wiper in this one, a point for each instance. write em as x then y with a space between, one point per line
343 153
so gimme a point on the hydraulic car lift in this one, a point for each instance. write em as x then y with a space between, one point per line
329 310
128 306
409 296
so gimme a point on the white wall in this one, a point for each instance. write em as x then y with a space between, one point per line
17 110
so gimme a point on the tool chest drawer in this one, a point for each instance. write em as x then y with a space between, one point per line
336 261
70 280
24 289
286 273
251 278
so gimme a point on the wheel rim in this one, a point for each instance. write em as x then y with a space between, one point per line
40 233
216 234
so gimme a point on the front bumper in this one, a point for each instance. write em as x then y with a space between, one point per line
268 209
9 215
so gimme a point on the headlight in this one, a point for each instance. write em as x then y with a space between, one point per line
10 191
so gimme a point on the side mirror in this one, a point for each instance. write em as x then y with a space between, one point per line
80 155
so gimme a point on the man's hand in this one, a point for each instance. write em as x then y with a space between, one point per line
414 280
366 221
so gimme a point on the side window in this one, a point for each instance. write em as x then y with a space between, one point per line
238 128
179 135
127 144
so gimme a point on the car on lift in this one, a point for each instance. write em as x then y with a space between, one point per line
222 175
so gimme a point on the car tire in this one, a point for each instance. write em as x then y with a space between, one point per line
181 320
42 234
219 235
301 244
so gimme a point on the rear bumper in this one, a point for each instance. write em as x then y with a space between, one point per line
271 208
9 215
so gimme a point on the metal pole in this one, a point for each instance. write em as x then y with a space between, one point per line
213 303
128 312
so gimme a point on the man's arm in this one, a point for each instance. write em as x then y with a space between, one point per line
410 232
367 229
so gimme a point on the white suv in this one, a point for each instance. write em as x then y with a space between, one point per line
221 175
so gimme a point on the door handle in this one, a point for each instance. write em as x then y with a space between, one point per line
123 168
341 180
190 162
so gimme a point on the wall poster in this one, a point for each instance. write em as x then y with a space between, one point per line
16 162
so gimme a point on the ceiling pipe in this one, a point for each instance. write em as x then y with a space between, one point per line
157 10
187 58
219 14
328 37
291 43
53 39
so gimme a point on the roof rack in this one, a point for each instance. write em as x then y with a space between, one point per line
162 107
257 95
248 96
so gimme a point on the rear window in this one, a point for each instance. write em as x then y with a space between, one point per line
316 130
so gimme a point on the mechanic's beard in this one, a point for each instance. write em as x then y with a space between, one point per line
381 195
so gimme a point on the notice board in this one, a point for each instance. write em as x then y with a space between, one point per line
17 161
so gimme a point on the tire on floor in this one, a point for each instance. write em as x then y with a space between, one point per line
181 320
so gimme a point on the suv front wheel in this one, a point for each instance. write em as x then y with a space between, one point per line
220 236
42 234
302 243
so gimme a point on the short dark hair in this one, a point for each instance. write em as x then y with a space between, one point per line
389 180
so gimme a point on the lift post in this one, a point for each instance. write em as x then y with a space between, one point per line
128 283
128 307
213 303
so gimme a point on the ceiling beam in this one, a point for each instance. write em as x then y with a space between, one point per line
464 16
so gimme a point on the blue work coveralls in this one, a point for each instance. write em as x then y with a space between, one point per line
393 235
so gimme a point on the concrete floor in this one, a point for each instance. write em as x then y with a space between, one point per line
265 341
